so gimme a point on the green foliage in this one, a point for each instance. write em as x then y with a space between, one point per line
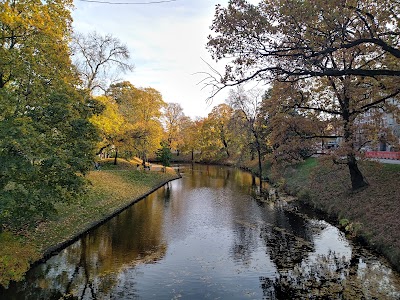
349 227
44 154
164 154
46 140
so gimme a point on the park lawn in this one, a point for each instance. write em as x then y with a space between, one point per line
372 212
111 189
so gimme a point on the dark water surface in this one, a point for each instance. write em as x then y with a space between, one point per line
205 237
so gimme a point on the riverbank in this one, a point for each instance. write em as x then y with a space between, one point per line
369 215
112 189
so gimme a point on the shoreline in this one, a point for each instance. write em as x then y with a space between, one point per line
367 216
111 192
54 250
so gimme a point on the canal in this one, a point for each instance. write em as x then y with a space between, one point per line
205 236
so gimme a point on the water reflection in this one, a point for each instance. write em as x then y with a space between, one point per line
89 268
205 236
330 269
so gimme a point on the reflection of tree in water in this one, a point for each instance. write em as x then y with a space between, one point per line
302 274
219 177
70 275
290 243
244 243
167 194
89 269
226 178
86 282
74 275
320 279
331 277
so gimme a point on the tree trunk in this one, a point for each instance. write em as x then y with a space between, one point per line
259 166
116 156
357 178
144 160
258 149
252 154
192 155
226 148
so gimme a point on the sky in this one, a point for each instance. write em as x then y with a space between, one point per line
166 42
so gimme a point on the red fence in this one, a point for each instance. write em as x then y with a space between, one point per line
382 154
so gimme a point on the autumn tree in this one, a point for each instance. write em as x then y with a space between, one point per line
173 119
112 125
209 143
99 59
293 133
248 105
125 98
142 108
221 116
184 126
191 131
46 140
342 56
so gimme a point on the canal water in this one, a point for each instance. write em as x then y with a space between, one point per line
205 236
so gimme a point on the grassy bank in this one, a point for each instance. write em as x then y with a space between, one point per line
112 188
370 214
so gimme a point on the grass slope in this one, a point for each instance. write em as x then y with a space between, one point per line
112 188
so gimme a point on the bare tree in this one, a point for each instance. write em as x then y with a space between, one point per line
99 59
248 104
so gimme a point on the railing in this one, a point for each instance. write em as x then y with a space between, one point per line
382 154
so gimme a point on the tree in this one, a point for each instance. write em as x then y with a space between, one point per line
221 116
185 124
141 107
99 58
248 104
33 47
46 140
164 154
192 134
298 38
293 133
209 143
173 118
335 53
112 125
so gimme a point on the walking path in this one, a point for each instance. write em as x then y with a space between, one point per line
386 161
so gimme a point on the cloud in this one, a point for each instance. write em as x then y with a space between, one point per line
167 45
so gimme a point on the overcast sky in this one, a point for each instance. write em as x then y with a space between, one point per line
166 42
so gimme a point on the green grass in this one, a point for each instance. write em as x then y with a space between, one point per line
112 188
392 168
296 176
